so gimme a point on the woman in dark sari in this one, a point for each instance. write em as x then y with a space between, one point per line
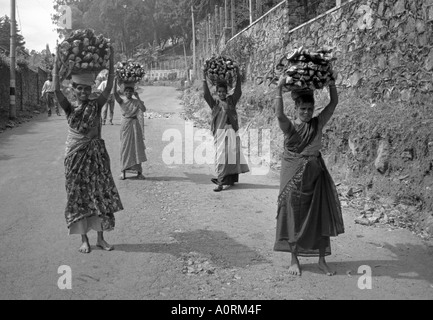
92 196
309 211
229 159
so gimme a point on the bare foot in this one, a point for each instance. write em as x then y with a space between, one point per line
326 269
85 248
295 268
102 244
123 176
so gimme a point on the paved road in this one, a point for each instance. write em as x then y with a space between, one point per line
176 239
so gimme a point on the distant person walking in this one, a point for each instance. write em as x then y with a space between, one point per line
309 211
109 106
48 95
132 147
229 159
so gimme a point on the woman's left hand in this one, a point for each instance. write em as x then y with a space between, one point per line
334 78
282 81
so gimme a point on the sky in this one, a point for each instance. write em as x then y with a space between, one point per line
34 21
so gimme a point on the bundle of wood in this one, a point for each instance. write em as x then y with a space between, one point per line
130 72
83 52
221 69
303 69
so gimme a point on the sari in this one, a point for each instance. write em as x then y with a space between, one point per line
132 150
229 158
92 196
309 211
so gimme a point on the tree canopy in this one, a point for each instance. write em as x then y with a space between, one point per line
135 25
5 34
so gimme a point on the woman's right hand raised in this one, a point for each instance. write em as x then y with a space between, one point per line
282 81
56 63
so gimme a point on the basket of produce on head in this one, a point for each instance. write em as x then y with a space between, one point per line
221 69
83 52
129 72
304 70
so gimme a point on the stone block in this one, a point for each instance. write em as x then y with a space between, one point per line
383 155
420 26
429 61
399 7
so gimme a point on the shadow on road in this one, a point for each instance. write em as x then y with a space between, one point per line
160 179
8 137
199 178
411 262
196 178
223 250
25 128
206 179
4 157
245 186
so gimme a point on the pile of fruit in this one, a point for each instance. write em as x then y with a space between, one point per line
303 69
221 69
129 72
83 52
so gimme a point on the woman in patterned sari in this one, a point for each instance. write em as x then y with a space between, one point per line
309 211
229 158
92 196
132 147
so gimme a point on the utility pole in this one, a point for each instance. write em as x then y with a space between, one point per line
186 61
259 7
194 57
232 15
12 106
221 21
209 43
217 21
251 11
226 15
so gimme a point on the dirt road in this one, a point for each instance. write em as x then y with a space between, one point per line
176 239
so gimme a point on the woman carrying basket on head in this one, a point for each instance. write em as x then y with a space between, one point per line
92 196
132 147
229 159
309 211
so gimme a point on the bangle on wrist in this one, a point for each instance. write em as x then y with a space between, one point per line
279 97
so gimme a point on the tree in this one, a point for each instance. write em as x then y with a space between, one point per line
128 23
148 55
43 59
133 24
5 34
